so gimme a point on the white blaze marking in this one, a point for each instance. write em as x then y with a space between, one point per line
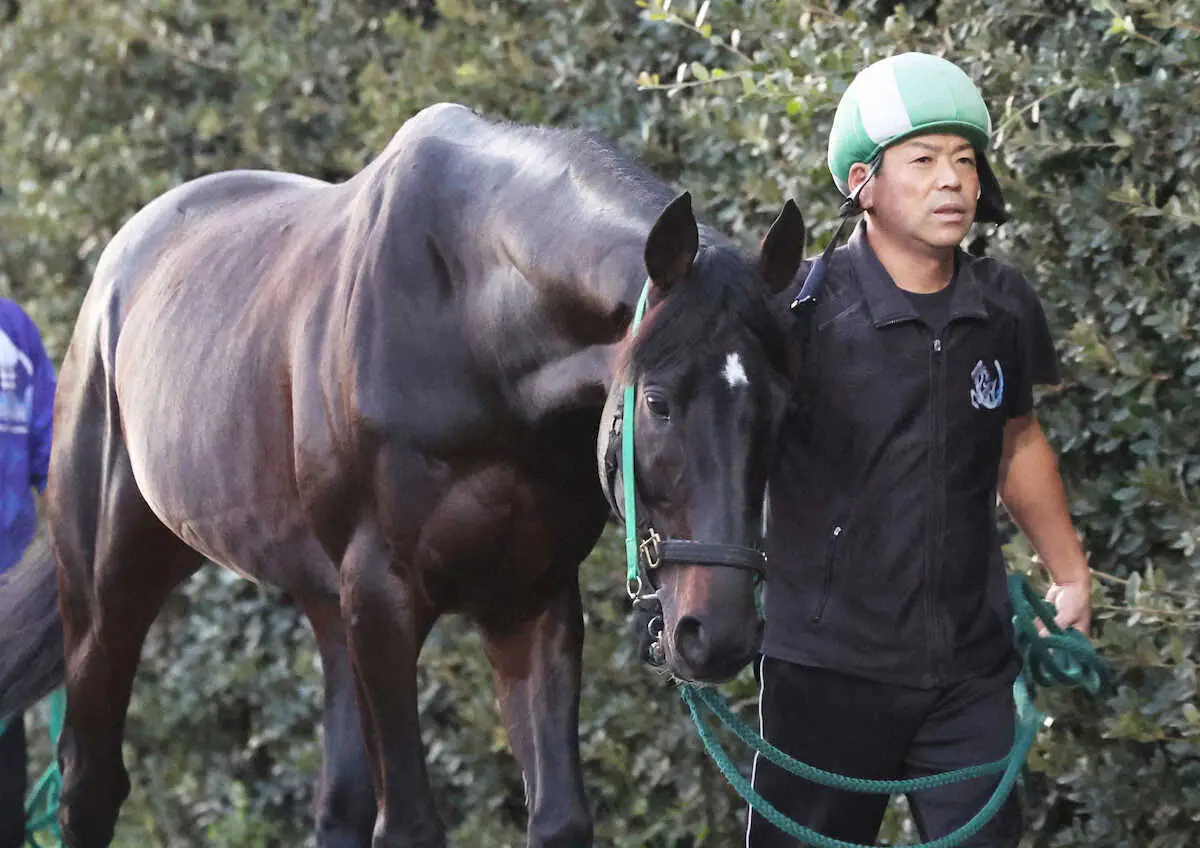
733 372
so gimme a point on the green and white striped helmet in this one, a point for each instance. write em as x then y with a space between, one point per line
897 98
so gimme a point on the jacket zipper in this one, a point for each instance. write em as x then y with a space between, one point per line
827 576
936 489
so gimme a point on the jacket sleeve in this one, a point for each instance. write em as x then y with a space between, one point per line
1037 359
42 418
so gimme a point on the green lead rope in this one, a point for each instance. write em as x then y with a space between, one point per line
1062 657
627 465
1011 765
695 697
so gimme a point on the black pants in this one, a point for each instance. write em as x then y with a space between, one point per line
14 765
865 729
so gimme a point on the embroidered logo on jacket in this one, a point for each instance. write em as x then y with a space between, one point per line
987 389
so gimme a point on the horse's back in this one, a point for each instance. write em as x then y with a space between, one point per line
163 215
181 340
141 241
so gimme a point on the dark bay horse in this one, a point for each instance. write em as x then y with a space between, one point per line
384 397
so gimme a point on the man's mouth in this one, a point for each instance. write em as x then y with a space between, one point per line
951 211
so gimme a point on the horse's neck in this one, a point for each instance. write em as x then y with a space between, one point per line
557 311
545 271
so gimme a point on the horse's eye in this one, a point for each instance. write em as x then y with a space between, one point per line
657 404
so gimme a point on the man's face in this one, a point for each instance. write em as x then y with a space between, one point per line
925 192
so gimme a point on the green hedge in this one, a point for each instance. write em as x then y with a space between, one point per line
1097 107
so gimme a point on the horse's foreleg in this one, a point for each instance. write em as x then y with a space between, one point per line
537 673
387 622
345 804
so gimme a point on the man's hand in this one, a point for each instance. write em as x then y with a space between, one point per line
1033 494
1073 603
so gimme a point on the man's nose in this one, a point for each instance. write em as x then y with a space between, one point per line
947 175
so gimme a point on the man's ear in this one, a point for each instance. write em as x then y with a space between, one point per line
859 172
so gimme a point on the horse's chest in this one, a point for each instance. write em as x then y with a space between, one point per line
503 535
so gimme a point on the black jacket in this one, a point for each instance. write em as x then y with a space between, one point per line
883 552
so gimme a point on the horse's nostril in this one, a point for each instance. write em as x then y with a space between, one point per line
691 641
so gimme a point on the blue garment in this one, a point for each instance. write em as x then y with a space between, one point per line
27 385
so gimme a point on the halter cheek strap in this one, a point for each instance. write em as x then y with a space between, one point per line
646 550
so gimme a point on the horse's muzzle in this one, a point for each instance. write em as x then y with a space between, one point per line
701 654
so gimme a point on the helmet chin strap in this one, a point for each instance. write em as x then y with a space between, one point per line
816 273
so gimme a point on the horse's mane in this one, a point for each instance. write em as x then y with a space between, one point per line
574 188
601 171
597 162
720 290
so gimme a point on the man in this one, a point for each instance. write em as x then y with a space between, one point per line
888 651
27 385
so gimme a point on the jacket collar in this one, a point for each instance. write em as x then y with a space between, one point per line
887 303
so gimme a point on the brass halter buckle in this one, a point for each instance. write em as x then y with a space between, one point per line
650 551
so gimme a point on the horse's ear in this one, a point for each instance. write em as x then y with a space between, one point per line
783 248
672 244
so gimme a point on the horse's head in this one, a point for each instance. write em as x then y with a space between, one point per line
708 371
